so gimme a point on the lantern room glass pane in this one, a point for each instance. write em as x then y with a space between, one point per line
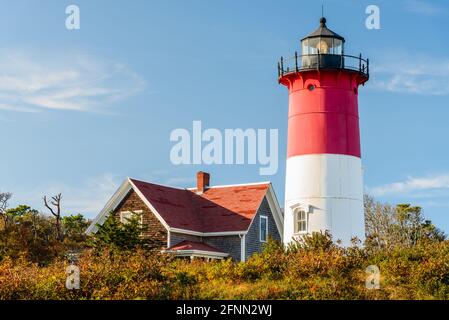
337 47
305 47
325 45
313 45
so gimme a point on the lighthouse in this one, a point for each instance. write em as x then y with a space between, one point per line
324 183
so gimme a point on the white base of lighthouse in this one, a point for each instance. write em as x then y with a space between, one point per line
329 189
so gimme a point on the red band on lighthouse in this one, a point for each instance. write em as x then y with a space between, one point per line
323 113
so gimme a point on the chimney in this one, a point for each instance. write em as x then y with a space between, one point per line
202 181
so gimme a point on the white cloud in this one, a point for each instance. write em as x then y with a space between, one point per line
413 74
423 7
432 185
74 82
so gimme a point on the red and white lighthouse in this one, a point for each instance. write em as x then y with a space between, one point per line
324 184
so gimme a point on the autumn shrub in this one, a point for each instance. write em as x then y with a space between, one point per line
271 264
106 276
32 235
417 272
315 269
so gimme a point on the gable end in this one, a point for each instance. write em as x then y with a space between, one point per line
155 230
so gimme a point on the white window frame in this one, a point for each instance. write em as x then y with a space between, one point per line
260 228
296 212
130 214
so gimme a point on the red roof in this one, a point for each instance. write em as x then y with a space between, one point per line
218 209
192 245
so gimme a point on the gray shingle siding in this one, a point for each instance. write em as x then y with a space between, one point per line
232 244
176 238
252 239
228 244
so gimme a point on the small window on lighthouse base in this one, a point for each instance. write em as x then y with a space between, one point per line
300 221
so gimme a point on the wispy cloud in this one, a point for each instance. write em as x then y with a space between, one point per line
413 74
77 82
433 185
181 182
435 204
87 198
423 7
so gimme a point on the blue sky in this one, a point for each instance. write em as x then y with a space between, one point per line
80 110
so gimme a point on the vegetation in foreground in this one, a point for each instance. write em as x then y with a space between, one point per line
412 255
318 270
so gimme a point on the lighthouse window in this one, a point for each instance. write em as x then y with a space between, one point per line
300 221
263 228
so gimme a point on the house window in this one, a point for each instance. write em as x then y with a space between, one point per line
125 216
263 228
300 221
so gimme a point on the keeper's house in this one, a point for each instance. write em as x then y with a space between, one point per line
212 222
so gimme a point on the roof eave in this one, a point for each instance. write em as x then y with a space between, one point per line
336 36
197 252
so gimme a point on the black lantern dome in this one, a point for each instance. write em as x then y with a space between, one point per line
325 33
322 41
323 49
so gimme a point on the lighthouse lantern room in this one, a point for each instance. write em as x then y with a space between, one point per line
324 185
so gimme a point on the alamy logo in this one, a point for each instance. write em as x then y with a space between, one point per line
373 277
211 146
72 21
373 20
73 277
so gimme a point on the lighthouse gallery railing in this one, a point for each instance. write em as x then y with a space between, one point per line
322 61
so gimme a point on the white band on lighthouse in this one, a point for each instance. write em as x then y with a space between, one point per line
328 191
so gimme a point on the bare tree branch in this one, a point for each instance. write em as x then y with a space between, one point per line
4 198
55 211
